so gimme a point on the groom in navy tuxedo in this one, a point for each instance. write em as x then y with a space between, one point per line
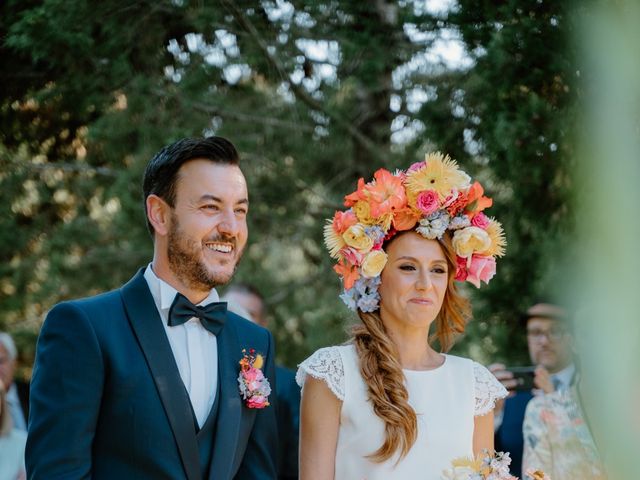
142 382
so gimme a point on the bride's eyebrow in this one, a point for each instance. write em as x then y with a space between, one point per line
438 262
406 257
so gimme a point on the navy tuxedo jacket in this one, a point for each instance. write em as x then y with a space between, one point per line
107 400
288 416
23 395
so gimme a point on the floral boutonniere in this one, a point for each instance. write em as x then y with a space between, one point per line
254 386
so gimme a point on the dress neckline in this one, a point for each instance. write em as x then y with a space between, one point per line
431 370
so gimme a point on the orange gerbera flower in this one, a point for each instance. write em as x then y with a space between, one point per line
386 193
405 218
360 194
348 272
477 202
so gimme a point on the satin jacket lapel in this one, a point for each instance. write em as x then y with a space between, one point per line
230 406
146 324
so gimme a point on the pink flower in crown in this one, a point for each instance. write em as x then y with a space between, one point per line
416 166
428 202
254 386
461 269
481 268
452 197
480 220
352 255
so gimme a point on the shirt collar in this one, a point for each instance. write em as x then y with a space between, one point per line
565 375
164 294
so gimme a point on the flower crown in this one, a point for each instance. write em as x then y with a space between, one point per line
431 197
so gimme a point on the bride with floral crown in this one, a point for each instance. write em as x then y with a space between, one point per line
391 403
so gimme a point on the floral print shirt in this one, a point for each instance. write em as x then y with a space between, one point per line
557 439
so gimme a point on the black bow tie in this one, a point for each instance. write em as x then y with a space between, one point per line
212 316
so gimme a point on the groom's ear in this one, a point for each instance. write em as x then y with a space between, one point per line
158 213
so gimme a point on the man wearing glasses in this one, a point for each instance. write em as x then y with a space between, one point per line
550 344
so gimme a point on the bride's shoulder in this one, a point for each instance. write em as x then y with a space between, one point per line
461 365
327 364
480 372
486 387
333 354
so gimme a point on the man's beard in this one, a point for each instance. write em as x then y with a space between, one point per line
187 264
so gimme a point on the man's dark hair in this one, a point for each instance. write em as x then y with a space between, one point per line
161 174
550 307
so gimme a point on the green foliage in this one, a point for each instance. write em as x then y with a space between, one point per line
314 94
517 102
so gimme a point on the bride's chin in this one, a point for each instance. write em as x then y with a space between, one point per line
418 321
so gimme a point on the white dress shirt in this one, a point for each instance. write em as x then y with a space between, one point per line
195 349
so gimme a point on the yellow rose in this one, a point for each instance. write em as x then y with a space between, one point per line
373 263
363 212
356 237
469 240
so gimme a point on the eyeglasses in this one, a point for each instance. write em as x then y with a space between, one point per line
553 334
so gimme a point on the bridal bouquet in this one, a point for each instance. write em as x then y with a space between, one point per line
486 467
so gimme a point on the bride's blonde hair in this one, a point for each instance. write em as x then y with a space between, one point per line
381 369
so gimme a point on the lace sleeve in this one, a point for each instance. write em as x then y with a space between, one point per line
325 364
488 389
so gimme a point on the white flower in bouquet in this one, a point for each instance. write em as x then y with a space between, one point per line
460 473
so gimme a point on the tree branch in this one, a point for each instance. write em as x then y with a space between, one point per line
366 143
242 117
70 167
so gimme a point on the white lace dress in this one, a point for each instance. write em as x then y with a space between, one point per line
445 399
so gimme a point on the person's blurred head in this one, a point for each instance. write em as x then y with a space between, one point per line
249 299
196 202
549 336
8 355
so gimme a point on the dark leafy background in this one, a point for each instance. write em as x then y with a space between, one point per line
315 94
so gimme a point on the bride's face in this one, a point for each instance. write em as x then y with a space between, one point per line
414 282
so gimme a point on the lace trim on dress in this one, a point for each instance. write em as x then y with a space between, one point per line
325 364
488 390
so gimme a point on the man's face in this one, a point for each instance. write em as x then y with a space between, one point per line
550 344
208 227
7 367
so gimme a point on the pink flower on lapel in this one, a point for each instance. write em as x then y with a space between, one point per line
254 386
